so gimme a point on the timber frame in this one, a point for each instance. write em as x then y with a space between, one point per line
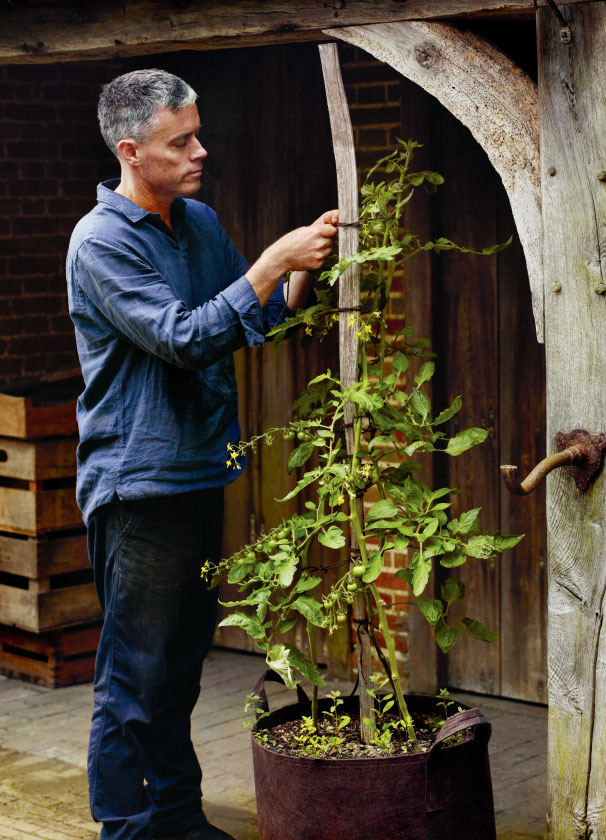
565 231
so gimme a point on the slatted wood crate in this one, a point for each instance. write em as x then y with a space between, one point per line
46 582
54 659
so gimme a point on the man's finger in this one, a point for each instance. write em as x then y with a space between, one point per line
328 230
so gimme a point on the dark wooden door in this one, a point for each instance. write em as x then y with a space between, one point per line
485 340
270 168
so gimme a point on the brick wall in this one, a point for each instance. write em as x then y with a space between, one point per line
51 159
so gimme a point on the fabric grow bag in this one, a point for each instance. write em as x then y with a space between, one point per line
443 794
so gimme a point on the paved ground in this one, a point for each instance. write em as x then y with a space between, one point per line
43 737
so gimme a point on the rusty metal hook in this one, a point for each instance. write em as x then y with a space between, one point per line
580 454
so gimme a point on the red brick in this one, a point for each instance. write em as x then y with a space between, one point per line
11 326
43 244
10 368
30 206
61 323
33 225
24 188
31 72
32 169
39 305
34 325
29 112
33 265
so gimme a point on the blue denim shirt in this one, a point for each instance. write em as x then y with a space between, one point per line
158 315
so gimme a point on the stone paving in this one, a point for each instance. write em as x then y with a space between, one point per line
43 739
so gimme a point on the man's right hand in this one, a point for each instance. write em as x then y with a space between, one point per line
302 249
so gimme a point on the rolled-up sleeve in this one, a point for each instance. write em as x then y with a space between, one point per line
138 302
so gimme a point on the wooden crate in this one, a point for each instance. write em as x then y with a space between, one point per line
37 485
33 409
46 583
54 659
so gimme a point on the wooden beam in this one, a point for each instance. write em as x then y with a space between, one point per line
38 31
572 109
489 94
349 301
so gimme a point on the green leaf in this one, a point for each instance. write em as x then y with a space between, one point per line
401 542
304 666
481 546
429 530
445 415
446 636
465 440
376 524
259 596
420 403
404 574
479 630
431 609
400 362
309 609
287 572
449 561
420 576
383 509
425 373
278 660
332 538
308 478
238 572
374 567
504 541
305 584
249 623
467 520
452 589
493 249
286 625
372 402
300 455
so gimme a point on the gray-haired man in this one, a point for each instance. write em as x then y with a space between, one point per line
160 299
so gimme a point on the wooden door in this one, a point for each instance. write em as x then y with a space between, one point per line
270 168
487 351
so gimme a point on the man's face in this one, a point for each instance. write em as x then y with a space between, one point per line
171 160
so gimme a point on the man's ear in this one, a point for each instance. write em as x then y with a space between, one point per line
128 149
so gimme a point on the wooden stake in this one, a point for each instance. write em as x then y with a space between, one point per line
349 301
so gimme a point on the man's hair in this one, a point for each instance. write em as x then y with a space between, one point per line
128 104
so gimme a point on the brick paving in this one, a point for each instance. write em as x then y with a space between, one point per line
43 738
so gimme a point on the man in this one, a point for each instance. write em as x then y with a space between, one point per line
160 299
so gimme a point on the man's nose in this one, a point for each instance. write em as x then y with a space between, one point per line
199 152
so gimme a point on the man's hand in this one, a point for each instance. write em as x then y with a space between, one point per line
303 249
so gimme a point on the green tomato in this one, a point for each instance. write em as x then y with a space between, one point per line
301 436
333 596
352 587
283 533
251 556
358 570
289 435
271 544
341 618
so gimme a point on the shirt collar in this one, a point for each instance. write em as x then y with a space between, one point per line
106 195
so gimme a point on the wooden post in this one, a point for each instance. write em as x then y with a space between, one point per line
572 109
349 300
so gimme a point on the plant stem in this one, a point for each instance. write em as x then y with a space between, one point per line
313 653
393 664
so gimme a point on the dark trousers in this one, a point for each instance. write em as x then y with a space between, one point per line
159 620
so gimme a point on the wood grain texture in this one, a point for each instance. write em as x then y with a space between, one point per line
270 169
39 558
349 300
466 343
523 629
62 31
38 461
572 107
419 301
489 94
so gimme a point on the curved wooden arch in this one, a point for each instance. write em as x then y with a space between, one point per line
489 94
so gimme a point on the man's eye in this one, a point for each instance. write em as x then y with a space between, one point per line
181 145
